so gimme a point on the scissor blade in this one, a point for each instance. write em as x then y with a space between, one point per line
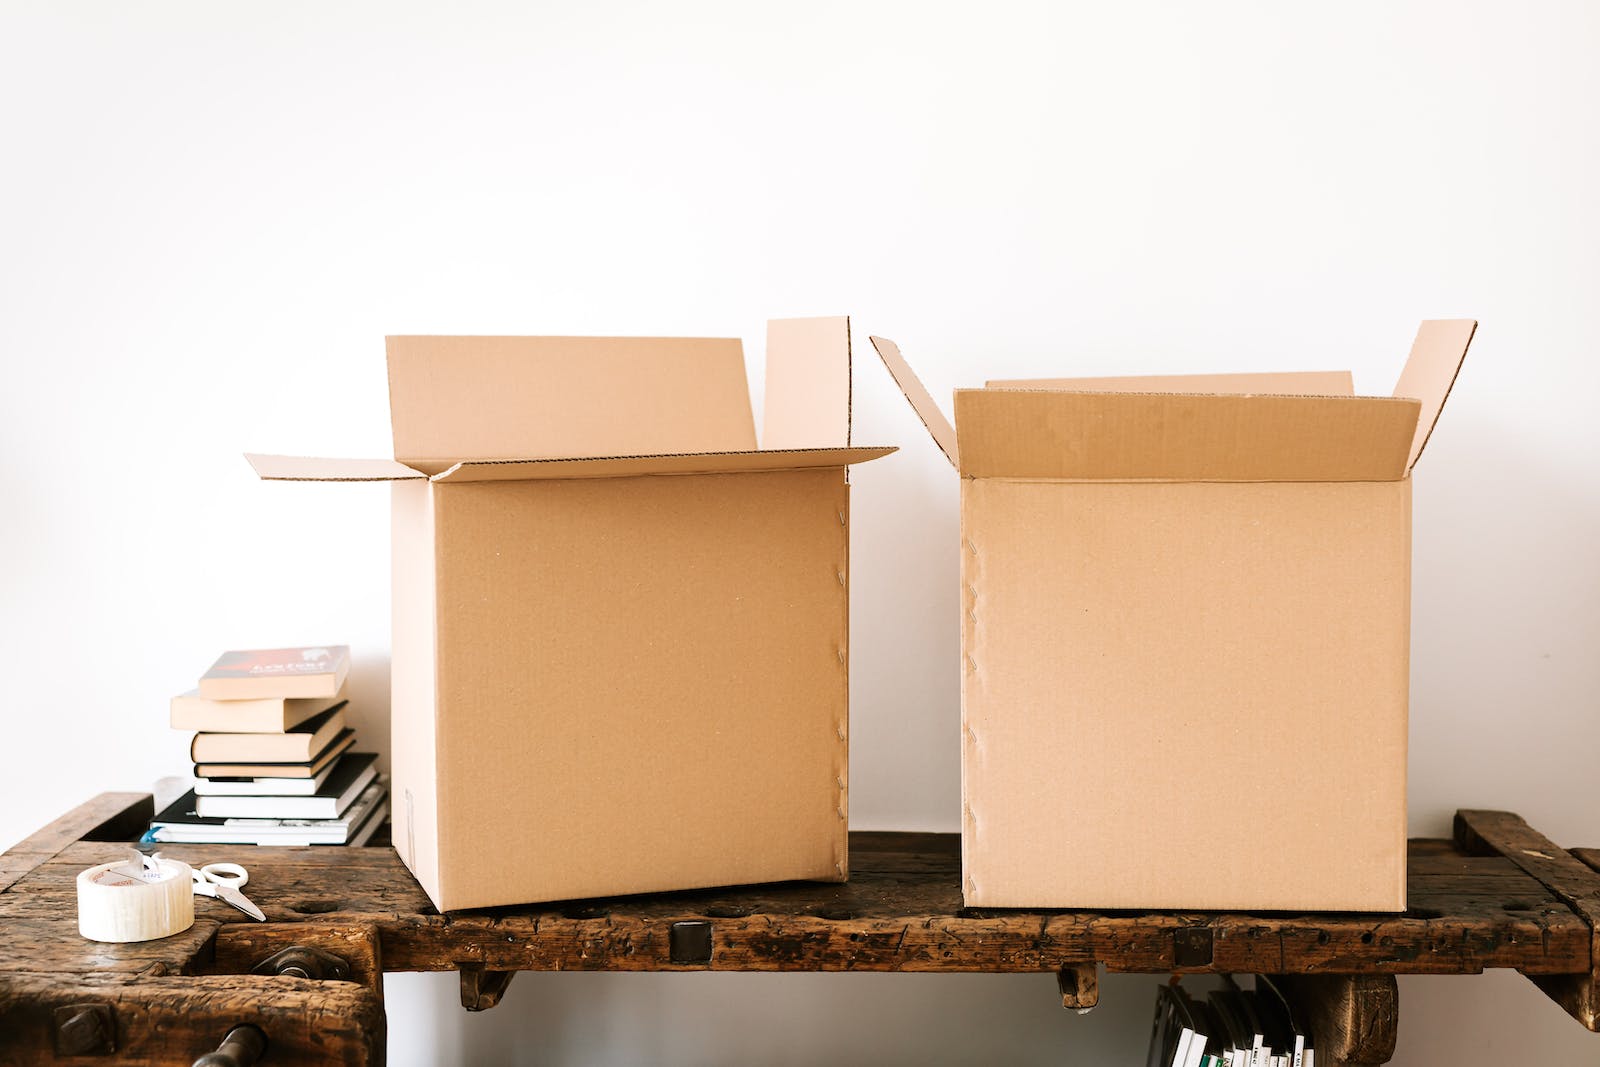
240 901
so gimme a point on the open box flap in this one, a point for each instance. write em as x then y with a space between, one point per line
637 466
808 384
1430 371
944 434
487 397
319 469
1287 383
1182 437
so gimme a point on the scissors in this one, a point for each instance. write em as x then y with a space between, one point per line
222 881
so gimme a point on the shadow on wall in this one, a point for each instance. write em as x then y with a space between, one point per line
752 1019
1505 679
368 712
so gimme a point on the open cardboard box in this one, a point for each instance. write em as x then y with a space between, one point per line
621 644
1185 634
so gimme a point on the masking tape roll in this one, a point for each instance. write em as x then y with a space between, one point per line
117 907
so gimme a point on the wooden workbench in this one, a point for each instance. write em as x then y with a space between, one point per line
1498 895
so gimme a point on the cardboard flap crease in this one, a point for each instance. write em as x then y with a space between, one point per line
1292 426
506 408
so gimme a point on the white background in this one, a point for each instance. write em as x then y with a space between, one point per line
211 214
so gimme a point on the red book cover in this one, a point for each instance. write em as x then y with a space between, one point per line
314 671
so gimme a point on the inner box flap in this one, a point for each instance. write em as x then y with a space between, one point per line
1285 383
1183 437
467 398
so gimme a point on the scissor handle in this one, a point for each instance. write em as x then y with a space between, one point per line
228 874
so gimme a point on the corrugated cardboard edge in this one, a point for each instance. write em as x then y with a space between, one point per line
1430 372
415 801
669 464
922 402
807 400
275 468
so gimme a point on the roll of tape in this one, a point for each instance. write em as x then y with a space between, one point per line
115 906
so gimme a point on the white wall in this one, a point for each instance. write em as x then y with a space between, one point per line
211 214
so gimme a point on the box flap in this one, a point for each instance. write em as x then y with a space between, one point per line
808 384
1430 371
1288 383
1178 437
456 398
317 469
944 434
676 463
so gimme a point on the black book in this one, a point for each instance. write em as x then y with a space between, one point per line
344 783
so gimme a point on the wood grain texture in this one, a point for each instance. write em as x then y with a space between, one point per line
1499 896
482 989
1570 878
1354 1019
167 1021
901 911
1079 984
126 815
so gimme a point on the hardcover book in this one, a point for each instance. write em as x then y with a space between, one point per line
303 769
299 745
350 776
277 672
180 822
262 715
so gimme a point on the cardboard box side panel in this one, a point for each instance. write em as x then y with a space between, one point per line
636 466
454 398
807 401
413 811
1291 383
922 402
642 684
1187 695
1174 437
1430 372
970 699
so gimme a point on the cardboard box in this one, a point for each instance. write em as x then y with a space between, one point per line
1185 634
620 628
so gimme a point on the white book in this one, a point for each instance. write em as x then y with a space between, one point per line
1180 1055
1311 1058
261 787
351 774
174 826
1197 1050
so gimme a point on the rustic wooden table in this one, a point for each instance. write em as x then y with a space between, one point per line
309 980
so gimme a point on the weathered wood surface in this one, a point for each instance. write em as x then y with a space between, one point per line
481 989
901 911
1079 984
1568 878
1355 1017
109 816
239 947
1474 905
162 1021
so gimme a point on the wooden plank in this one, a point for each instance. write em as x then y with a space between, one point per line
164 1021
106 813
240 946
482 989
900 911
1571 880
1353 1018
1079 984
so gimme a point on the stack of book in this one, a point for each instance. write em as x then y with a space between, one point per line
1232 1027
273 755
